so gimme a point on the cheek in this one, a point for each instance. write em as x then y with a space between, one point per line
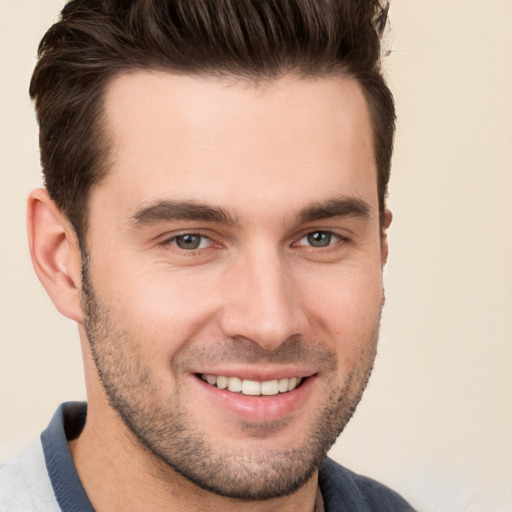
164 310
346 303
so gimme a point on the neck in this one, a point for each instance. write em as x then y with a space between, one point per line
120 474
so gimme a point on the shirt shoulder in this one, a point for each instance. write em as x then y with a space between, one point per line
343 489
25 485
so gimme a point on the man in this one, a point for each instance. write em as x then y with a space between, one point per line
214 220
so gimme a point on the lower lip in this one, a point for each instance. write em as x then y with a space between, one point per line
259 409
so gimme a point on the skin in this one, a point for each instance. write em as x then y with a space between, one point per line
269 164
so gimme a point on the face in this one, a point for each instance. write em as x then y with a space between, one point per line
232 289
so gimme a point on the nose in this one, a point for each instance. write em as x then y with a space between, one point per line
262 300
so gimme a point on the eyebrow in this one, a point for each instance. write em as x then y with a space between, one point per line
169 210
339 207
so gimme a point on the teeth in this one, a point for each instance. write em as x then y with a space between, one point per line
270 387
222 382
292 383
283 385
235 384
252 387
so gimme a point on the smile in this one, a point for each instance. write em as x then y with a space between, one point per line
253 387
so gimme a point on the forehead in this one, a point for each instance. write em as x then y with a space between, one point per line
216 140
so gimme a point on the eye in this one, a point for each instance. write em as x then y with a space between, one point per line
319 239
190 241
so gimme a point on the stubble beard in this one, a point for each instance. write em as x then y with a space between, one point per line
162 427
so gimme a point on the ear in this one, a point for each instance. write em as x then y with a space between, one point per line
386 222
55 253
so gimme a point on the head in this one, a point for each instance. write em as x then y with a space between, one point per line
223 166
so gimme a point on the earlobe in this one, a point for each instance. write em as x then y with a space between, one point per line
386 222
55 253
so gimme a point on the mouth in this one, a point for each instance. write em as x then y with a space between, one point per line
257 397
253 387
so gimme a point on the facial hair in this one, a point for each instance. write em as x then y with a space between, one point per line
159 420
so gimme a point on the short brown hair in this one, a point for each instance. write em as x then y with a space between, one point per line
94 40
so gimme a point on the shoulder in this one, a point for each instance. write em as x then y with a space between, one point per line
344 488
25 485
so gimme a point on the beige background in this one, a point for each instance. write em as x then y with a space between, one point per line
436 422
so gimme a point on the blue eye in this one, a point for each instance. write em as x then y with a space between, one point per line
319 239
190 241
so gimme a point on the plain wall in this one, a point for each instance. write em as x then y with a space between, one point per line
436 420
